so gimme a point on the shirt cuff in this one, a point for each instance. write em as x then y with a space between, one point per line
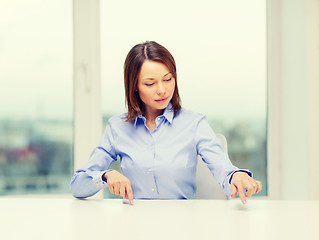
97 178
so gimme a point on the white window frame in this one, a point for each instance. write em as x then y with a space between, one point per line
87 80
293 99
274 100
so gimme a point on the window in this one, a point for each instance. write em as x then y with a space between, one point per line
36 114
220 52
219 48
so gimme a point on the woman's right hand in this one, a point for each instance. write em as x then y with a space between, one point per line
119 184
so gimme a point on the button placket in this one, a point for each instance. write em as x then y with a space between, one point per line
151 169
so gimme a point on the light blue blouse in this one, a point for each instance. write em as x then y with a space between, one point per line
160 164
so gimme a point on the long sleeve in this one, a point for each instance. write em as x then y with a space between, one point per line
214 156
87 181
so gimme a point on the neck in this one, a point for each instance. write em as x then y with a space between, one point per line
152 115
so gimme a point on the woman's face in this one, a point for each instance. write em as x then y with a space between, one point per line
156 86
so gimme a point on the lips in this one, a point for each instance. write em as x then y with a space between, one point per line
161 100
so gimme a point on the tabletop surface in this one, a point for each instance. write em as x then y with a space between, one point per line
35 218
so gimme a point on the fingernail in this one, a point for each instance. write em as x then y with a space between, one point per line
131 202
244 202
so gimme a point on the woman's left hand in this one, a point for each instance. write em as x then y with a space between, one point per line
241 181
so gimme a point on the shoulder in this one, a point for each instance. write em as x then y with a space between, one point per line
189 114
117 125
118 121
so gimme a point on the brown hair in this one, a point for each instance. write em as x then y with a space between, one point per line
152 51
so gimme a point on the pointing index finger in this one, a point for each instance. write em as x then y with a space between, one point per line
129 194
241 194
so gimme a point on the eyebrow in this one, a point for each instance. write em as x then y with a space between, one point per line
154 78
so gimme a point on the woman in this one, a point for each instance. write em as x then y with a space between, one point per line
157 141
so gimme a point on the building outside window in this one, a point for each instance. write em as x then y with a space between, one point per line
36 113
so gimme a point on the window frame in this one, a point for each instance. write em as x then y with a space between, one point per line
87 80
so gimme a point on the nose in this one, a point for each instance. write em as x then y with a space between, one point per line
161 89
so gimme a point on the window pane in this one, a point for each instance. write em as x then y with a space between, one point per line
36 113
220 51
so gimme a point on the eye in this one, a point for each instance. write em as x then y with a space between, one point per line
149 84
167 80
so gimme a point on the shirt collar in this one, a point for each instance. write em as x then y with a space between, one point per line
141 117
168 114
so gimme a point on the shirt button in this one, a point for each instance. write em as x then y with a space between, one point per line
150 170
153 189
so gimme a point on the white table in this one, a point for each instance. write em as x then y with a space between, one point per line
59 219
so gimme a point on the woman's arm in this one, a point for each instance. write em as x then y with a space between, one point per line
219 164
83 185
87 180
